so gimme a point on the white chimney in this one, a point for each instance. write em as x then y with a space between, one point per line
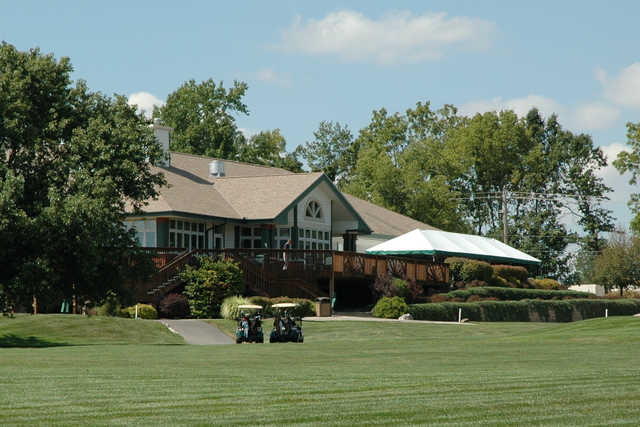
162 134
216 168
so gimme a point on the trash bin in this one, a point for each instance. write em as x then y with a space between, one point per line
323 307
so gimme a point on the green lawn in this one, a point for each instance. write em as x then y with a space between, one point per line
345 373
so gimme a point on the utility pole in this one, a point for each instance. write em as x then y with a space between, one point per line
504 216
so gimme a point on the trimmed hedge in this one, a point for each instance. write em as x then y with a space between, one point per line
512 274
476 270
549 284
526 310
514 294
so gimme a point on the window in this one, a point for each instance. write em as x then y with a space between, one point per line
145 230
250 237
313 210
186 234
314 239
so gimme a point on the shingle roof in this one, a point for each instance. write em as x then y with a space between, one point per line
264 197
384 221
254 192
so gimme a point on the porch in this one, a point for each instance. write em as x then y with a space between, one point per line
301 273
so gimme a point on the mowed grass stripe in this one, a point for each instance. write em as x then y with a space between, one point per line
345 374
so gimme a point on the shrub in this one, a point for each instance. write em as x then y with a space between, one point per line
110 306
497 281
415 290
401 288
305 307
548 284
477 283
390 308
383 286
439 298
455 268
145 311
265 302
229 309
476 270
512 274
174 306
210 283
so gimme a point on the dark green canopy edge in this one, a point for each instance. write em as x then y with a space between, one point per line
459 254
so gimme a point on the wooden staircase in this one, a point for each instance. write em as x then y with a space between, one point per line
258 279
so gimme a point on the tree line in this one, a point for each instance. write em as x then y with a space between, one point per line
73 162
494 174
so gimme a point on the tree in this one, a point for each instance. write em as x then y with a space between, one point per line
536 171
408 164
71 161
331 151
618 266
630 162
201 115
268 148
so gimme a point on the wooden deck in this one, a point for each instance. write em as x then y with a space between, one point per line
293 272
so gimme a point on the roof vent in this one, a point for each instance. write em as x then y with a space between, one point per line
216 169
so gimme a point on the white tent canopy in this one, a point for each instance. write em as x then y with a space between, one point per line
443 243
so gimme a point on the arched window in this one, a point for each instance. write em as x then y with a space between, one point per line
314 210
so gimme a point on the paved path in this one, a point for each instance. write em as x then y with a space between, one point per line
197 332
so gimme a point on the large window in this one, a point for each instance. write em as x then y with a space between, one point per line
145 231
314 239
250 237
186 234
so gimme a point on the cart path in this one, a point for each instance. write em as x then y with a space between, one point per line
197 332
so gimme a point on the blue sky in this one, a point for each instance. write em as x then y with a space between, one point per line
332 60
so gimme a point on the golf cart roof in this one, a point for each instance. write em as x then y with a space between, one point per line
250 307
285 305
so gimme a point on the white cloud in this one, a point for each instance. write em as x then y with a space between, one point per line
623 89
594 116
399 37
145 102
585 117
269 75
620 183
520 106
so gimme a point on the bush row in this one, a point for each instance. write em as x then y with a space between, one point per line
305 306
473 273
525 310
513 294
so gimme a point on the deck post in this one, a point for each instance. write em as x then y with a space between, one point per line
331 289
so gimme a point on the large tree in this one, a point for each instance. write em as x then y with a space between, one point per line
71 161
408 164
331 150
618 266
202 117
268 148
630 162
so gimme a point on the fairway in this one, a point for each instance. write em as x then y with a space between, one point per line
346 373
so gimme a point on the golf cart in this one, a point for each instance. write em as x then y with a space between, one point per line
249 326
285 328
